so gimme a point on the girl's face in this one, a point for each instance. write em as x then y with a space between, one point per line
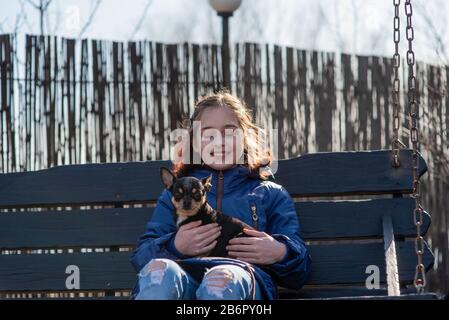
221 138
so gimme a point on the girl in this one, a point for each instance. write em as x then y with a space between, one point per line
174 264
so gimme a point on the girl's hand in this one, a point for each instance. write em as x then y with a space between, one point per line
195 240
260 248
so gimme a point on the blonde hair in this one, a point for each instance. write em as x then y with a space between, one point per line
254 142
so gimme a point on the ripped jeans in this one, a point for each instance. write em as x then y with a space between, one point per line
164 279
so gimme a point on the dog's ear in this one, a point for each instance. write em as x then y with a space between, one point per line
206 181
167 177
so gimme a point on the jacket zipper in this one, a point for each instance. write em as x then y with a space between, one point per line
254 215
220 190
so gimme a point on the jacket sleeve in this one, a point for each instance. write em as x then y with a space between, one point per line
282 224
158 239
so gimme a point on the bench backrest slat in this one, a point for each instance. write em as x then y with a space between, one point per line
123 226
336 173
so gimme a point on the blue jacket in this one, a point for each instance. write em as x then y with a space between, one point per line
276 216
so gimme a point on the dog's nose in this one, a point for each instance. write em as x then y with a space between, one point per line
186 205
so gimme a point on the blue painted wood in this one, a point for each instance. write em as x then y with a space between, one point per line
123 226
336 173
347 173
332 264
74 228
324 174
105 183
356 219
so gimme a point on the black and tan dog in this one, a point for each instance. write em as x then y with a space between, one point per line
190 201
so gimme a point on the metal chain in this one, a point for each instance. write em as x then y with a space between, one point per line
420 275
396 143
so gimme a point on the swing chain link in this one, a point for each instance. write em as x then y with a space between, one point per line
396 143
420 275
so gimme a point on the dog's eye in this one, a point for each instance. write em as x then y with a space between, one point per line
196 195
177 193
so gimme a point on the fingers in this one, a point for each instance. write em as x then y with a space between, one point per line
244 255
207 248
206 228
243 240
209 233
243 251
212 235
190 225
241 248
254 233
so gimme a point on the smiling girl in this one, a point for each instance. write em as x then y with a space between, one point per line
231 149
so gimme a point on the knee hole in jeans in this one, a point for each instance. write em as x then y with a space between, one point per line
216 280
155 269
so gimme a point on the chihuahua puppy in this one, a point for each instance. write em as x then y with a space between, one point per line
190 201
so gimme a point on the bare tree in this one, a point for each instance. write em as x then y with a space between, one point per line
57 19
93 11
42 7
435 34
20 20
138 26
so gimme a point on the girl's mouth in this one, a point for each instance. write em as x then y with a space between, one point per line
218 154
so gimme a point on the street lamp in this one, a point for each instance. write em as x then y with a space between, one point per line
225 9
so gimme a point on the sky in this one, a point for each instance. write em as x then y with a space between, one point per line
351 26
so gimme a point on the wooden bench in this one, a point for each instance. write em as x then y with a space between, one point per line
108 206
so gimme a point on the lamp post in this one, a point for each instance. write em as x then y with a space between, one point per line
225 9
